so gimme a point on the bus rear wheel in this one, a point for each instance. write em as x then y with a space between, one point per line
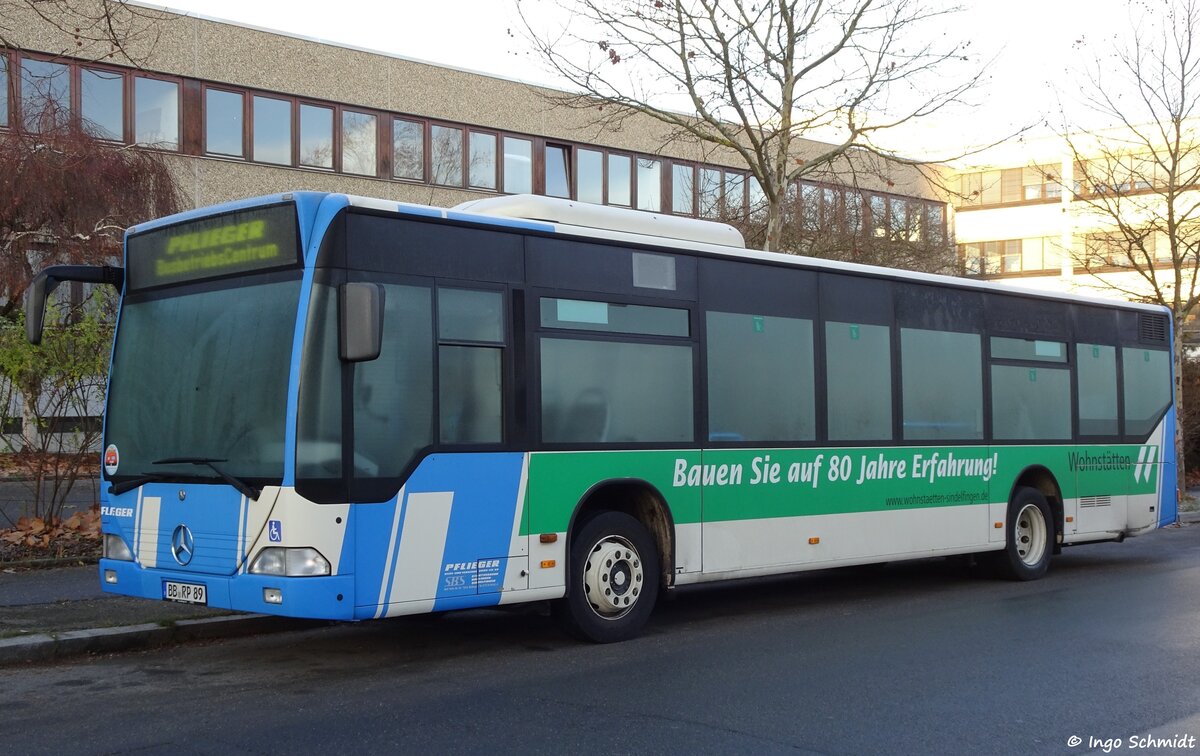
613 579
1030 540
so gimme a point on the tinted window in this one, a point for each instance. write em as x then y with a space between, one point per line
858 365
1097 368
447 149
1031 403
518 166
469 315
393 395
469 381
584 315
755 404
1147 374
319 431
359 137
272 131
942 376
408 142
102 98
156 122
1029 349
316 136
223 123
613 392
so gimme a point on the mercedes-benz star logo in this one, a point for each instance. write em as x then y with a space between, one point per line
183 545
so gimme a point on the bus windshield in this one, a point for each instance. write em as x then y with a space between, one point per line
200 368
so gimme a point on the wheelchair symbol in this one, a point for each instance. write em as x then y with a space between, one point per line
275 531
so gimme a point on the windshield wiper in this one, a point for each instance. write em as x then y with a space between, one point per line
132 483
243 488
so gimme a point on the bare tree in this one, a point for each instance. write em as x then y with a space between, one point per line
1136 180
65 197
95 29
764 80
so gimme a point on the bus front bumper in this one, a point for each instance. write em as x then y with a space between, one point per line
330 597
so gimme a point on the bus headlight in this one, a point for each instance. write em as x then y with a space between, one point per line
302 562
115 548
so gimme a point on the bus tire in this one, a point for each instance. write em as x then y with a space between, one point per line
612 579
1030 536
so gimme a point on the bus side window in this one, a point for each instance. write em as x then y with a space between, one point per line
471 338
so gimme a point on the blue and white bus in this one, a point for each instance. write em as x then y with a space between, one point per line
336 407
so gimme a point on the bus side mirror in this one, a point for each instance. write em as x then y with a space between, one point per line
49 279
360 321
35 306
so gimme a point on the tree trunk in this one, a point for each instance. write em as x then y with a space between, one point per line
774 227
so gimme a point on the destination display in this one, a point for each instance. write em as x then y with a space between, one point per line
261 238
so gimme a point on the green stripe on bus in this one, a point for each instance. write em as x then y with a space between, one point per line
737 484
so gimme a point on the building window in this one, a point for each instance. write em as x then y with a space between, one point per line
223 127
272 131
359 139
408 149
935 228
710 193
620 180
589 176
156 117
45 94
735 193
878 207
102 103
757 199
649 185
482 174
518 165
558 171
683 182
446 145
3 89
316 136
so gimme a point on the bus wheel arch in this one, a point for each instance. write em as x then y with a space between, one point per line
1042 480
641 501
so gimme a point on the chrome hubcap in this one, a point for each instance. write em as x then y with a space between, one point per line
613 577
1030 534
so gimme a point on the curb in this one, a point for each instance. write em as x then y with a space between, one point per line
1189 517
47 647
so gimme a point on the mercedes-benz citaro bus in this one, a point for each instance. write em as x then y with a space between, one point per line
335 407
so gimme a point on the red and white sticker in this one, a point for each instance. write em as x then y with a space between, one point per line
112 459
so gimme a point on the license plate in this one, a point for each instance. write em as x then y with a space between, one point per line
185 593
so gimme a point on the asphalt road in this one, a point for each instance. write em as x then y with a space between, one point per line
921 657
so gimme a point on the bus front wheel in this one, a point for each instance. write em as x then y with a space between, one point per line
613 579
1030 540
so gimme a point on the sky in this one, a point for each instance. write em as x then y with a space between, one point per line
1033 48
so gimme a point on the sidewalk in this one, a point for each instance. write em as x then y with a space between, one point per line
56 613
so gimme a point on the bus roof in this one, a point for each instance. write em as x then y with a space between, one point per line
552 215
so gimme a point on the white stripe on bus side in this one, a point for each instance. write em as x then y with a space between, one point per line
148 532
422 544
